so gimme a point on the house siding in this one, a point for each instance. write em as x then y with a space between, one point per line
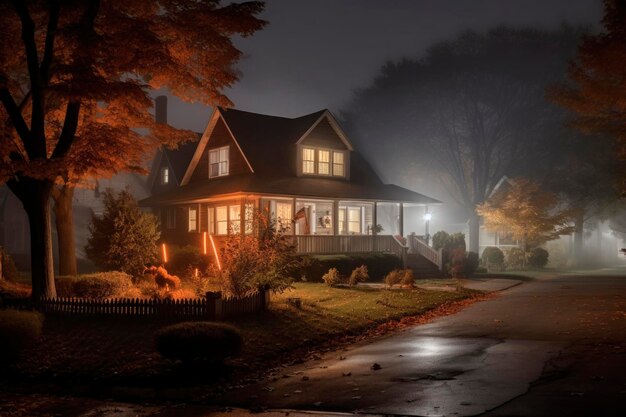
324 136
236 161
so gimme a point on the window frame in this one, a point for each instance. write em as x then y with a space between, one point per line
189 228
165 175
220 162
316 162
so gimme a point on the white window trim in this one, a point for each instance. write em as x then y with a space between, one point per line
189 229
331 162
219 161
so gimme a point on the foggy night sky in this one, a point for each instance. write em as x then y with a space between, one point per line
314 54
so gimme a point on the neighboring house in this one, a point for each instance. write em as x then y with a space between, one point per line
303 171
501 240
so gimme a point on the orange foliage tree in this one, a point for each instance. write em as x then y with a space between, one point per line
75 77
598 82
531 215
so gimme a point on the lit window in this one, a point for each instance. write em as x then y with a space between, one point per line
218 162
165 175
283 216
171 217
350 220
308 161
193 220
234 216
221 220
323 162
338 165
249 218
354 220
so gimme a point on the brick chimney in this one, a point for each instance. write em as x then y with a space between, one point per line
160 109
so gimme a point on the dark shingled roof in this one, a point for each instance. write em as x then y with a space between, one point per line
269 144
268 141
292 186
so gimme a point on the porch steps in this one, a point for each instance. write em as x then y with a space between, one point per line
422 267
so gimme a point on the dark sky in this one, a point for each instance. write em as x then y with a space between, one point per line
313 54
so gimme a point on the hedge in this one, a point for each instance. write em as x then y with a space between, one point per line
378 265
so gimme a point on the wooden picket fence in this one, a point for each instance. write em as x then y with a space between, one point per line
211 307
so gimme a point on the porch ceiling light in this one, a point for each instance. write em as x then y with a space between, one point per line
428 216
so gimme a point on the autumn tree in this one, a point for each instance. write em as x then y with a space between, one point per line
470 111
597 81
75 78
531 215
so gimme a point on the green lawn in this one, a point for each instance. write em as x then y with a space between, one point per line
109 351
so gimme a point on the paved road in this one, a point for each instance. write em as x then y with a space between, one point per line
554 347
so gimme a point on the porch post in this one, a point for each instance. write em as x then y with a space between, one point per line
401 222
293 216
336 230
242 216
374 231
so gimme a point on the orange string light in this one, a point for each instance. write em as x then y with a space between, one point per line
164 254
217 258
204 242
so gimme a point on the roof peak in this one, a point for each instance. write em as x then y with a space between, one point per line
232 109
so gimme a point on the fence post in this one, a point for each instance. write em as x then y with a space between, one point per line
214 305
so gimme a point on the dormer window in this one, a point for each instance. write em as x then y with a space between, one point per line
323 162
165 175
218 162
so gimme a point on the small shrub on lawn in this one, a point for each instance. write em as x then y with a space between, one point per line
492 256
193 342
538 257
313 267
408 279
18 330
359 274
515 258
394 277
112 284
332 277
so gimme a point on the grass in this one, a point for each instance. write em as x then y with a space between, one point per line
108 351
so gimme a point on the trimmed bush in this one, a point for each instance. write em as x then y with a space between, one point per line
538 257
462 264
515 258
18 330
193 342
104 285
332 277
359 274
378 265
492 256
440 240
185 258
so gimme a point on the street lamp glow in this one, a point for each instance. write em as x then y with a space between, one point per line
428 216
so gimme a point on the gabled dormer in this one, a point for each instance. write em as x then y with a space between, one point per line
324 150
217 155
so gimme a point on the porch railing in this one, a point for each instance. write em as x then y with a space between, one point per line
317 244
418 245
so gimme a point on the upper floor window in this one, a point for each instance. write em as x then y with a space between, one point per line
323 162
308 161
165 175
218 162
339 166
193 220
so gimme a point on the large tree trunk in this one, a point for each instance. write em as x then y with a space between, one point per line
579 225
64 219
35 197
474 232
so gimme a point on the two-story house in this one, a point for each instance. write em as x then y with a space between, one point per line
304 171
